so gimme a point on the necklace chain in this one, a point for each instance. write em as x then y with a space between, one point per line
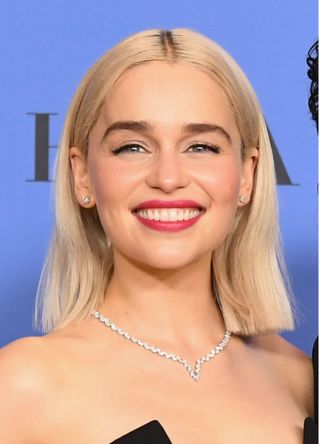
194 373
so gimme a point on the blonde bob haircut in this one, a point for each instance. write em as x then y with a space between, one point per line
249 280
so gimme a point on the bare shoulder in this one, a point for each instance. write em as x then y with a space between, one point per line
292 364
277 345
284 353
28 379
34 362
35 374
22 387
23 360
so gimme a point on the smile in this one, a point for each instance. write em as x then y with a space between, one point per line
168 214
168 219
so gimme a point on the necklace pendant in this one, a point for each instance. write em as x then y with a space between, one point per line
195 373
195 376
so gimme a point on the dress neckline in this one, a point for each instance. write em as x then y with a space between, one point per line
150 433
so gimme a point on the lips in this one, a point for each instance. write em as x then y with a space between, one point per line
174 215
157 203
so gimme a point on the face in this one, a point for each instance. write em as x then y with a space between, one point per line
164 166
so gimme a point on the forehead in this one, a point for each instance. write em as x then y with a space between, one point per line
167 94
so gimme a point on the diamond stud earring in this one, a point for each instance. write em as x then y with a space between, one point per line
86 200
243 198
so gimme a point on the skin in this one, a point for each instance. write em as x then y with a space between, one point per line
85 384
168 271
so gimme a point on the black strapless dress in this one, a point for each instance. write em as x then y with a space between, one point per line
150 433
154 433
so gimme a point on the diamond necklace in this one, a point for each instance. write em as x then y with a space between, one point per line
194 373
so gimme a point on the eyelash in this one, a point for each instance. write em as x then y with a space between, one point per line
212 148
125 148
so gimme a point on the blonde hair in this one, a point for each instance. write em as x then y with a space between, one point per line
248 275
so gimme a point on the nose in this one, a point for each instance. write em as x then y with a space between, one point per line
168 172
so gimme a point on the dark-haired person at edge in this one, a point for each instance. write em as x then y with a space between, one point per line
311 424
165 290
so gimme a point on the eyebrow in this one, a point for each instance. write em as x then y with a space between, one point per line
142 126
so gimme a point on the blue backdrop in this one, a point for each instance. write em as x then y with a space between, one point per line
47 46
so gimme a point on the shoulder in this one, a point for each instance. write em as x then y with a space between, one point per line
21 389
284 353
28 380
34 362
24 358
292 366
21 362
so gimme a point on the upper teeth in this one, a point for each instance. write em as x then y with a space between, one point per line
169 214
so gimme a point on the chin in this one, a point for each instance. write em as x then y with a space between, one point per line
169 261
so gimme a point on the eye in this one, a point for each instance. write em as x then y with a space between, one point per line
129 148
203 148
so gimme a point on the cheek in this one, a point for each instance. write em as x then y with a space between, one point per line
112 186
222 183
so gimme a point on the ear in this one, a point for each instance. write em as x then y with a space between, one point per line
248 168
82 183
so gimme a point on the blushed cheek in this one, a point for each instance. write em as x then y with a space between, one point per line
223 185
112 187
232 188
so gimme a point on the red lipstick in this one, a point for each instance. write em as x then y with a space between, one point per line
167 225
157 203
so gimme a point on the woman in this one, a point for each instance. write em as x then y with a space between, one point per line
162 294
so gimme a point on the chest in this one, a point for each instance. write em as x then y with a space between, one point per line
232 402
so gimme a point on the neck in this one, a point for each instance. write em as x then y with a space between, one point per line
171 306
